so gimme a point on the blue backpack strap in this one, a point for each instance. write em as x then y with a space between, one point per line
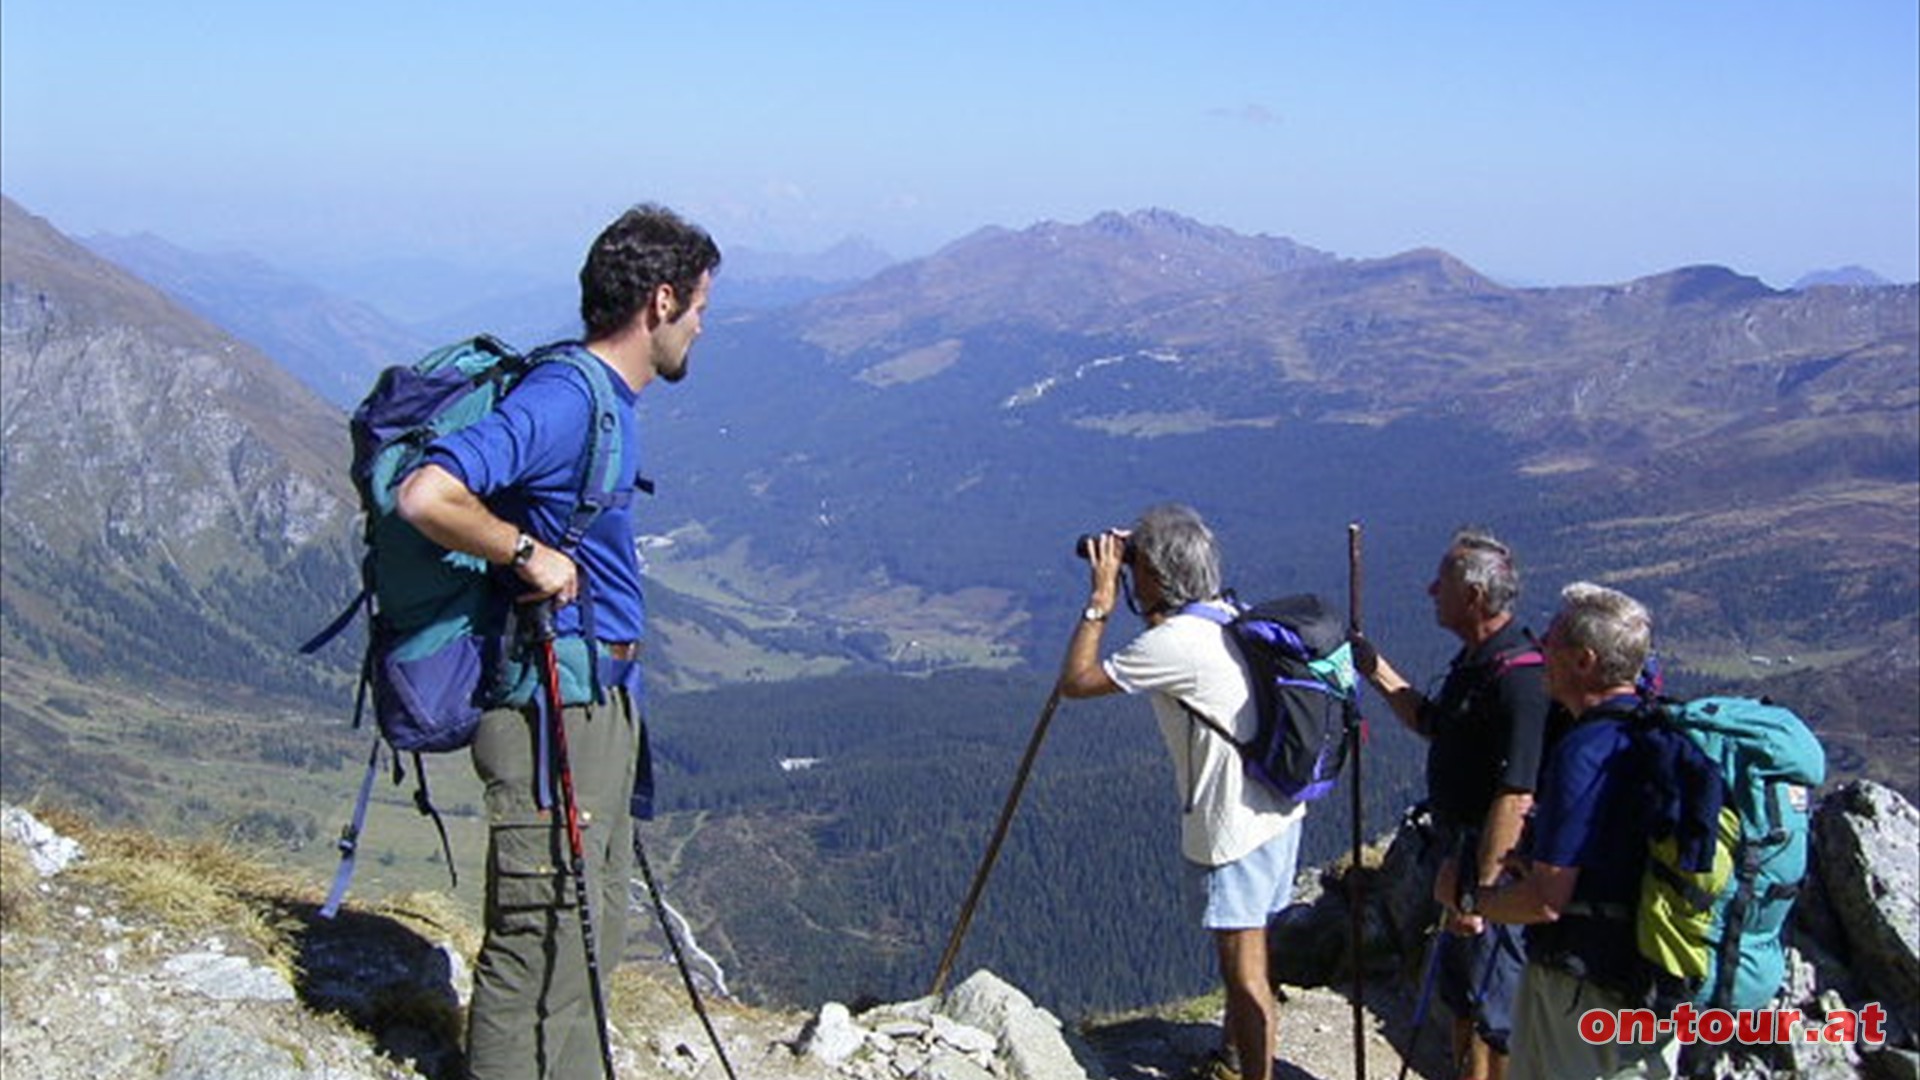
423 802
1207 612
349 842
600 488
543 751
1221 618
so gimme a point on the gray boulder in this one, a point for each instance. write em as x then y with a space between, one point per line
1034 1046
1867 844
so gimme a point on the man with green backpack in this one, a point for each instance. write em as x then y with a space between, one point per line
1586 850
1668 843
507 489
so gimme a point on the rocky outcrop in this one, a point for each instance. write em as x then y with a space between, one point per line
97 986
1855 938
95 989
100 985
1861 916
1868 838
983 1028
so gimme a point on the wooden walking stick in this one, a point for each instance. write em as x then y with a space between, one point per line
1356 887
993 846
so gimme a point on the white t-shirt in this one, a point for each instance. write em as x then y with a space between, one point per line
1224 813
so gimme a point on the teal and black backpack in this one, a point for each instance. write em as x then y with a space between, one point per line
440 647
1728 787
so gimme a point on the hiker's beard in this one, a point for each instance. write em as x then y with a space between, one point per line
673 368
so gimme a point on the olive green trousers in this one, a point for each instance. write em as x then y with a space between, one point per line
532 1015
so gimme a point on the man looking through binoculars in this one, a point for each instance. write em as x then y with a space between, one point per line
1240 840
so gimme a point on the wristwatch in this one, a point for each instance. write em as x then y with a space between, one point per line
1470 900
1094 613
522 551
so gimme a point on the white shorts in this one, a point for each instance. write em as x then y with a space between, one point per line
1245 893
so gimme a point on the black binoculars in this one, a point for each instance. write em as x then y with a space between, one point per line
1083 547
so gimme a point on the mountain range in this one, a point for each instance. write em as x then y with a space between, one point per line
887 478
852 480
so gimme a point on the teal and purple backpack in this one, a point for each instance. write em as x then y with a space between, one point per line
441 646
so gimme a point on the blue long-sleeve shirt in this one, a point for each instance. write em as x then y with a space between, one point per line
526 460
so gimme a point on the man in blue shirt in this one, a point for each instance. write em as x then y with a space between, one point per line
503 489
1585 853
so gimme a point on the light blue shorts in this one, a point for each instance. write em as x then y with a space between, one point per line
1245 893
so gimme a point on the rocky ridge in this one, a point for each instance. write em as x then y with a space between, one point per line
103 975
149 974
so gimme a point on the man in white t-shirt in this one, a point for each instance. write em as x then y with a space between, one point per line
1240 839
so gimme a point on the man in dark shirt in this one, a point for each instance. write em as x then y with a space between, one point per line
1585 853
1484 730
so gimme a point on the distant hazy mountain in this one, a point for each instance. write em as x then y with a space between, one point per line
853 259
338 345
334 345
749 281
1845 275
416 291
1090 278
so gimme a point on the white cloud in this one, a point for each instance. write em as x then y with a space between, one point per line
1252 113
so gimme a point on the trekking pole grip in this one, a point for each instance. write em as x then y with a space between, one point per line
537 620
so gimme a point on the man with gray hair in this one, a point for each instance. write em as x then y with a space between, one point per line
1585 853
1241 840
1484 729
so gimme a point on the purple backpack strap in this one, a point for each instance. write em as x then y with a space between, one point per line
1524 657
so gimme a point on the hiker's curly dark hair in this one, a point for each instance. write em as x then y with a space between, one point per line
645 248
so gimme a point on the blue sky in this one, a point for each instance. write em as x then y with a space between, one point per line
1544 143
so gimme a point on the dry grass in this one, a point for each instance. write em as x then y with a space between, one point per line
191 886
20 904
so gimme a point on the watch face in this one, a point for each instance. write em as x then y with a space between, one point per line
1093 614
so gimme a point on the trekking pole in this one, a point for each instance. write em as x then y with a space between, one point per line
1427 972
1356 886
1436 935
993 846
543 633
679 957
